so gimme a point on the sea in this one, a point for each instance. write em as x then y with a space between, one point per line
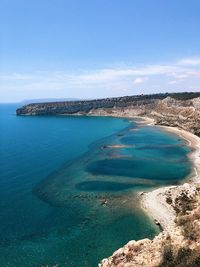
69 185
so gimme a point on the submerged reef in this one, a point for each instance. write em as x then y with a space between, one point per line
100 188
114 166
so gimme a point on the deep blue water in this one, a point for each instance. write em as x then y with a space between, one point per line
67 197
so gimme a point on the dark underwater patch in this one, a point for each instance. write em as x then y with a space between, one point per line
103 186
138 168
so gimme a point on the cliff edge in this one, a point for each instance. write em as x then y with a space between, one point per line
179 109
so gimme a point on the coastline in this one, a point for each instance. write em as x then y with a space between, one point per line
174 208
161 206
154 202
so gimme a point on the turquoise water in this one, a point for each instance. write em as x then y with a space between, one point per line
67 196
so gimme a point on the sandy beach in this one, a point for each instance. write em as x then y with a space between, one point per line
155 203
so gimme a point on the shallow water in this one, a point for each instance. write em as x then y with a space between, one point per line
67 196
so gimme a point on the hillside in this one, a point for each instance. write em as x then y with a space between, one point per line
178 109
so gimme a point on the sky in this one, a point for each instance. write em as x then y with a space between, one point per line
98 48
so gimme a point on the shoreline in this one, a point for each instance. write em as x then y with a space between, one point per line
194 144
161 206
154 202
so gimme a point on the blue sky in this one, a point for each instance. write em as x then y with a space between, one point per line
98 48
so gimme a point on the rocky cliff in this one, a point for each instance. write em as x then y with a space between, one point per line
180 109
84 107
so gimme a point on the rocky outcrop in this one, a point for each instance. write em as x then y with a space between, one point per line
180 110
137 253
182 114
178 246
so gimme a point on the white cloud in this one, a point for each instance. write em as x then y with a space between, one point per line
102 82
16 76
139 80
190 61
172 82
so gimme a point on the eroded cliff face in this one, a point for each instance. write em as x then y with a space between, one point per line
183 114
84 107
181 110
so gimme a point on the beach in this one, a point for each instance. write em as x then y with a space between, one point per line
168 207
154 202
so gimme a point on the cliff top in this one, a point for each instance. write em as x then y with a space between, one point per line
177 96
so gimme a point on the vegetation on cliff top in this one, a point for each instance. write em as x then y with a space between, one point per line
188 219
